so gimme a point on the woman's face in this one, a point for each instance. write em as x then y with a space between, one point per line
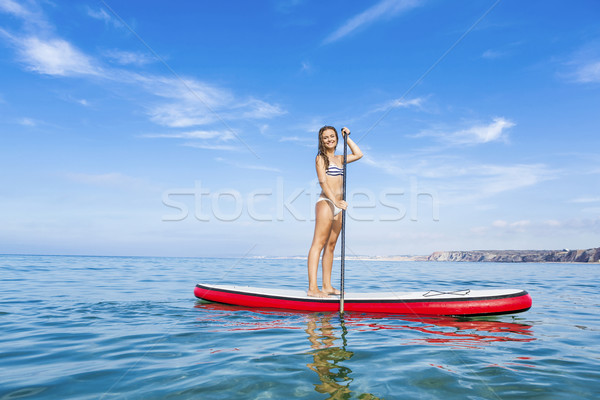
329 138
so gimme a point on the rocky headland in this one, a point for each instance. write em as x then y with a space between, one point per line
519 256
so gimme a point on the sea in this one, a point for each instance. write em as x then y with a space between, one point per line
75 327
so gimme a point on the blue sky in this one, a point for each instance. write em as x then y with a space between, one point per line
148 128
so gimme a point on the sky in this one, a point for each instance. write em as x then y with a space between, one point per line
156 128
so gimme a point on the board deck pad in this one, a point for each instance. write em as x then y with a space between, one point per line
463 302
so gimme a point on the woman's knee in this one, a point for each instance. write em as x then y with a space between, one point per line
330 245
319 242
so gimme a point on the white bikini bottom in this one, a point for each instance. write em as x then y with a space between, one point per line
336 210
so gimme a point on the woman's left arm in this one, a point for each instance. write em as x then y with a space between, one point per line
356 152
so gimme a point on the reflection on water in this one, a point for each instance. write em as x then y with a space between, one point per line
332 352
329 352
459 332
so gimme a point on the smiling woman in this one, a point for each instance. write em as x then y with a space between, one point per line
328 218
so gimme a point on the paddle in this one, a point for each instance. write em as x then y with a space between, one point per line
343 256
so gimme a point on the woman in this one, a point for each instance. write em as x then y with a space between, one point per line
328 216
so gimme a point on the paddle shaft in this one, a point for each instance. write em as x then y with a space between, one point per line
343 255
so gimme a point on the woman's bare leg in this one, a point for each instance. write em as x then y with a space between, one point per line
328 255
323 223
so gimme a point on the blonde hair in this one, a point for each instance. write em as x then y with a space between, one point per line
322 145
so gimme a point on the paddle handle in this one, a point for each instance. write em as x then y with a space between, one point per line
343 250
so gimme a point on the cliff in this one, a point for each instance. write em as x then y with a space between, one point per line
583 256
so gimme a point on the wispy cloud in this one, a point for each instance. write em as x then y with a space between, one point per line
483 133
31 15
247 166
287 6
174 101
475 134
305 141
583 65
216 147
460 181
27 122
111 179
400 103
55 57
47 54
192 103
585 200
306 67
493 54
14 8
128 57
383 9
101 15
297 139
587 72
549 227
220 135
200 139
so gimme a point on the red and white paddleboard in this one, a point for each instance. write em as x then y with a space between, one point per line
457 303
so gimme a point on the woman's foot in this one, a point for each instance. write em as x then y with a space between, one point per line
331 290
317 293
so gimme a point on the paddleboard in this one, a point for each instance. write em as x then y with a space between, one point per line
455 303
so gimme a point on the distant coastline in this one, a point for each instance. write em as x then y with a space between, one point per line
519 256
505 256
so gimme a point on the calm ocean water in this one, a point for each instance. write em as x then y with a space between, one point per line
130 328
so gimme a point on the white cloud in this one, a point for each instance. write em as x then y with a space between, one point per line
487 181
27 122
400 103
112 179
101 15
390 167
198 103
181 115
32 16
585 200
129 57
304 141
588 72
218 147
516 226
383 9
40 49
482 133
174 101
583 65
55 57
298 139
247 166
258 109
457 180
14 8
287 6
493 54
306 67
541 228
476 134
221 135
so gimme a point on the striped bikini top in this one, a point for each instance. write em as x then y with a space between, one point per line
334 170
